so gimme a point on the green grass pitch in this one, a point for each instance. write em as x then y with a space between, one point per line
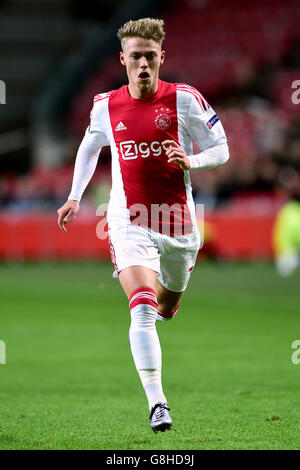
70 381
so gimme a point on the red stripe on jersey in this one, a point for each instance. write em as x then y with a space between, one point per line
201 100
102 95
194 94
100 98
201 97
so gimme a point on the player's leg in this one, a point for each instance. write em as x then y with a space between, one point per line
135 277
138 283
178 258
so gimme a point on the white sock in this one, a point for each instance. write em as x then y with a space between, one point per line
151 380
144 343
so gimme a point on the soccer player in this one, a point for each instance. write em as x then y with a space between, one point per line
150 126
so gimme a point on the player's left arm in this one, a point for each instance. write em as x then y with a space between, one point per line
176 154
209 158
204 128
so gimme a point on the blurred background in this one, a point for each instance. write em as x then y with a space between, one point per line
56 55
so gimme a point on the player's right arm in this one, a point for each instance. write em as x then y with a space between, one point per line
86 161
67 213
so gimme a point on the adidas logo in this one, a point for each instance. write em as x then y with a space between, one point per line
120 127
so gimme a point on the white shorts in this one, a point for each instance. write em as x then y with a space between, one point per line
172 257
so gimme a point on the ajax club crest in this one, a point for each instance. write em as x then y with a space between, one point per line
162 119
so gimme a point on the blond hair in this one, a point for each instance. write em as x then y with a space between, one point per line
147 28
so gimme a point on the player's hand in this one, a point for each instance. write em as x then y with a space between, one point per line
67 213
176 154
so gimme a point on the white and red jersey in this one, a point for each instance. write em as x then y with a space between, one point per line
135 129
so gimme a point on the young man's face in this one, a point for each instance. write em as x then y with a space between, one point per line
142 58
